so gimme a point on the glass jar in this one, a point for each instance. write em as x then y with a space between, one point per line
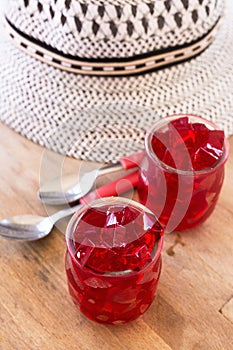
180 195
113 259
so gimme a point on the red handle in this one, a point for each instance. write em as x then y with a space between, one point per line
114 188
132 161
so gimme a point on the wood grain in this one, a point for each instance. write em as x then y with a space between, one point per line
193 307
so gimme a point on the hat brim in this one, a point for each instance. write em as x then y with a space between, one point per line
103 118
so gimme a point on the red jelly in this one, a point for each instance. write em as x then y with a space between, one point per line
183 170
113 259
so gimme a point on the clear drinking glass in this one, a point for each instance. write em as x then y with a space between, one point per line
182 171
113 259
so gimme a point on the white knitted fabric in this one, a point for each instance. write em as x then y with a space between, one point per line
103 118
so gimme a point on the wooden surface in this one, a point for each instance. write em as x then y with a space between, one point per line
193 308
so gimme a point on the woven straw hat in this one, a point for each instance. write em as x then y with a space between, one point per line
88 78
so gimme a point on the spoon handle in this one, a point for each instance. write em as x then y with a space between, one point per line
121 185
126 163
61 214
114 188
132 161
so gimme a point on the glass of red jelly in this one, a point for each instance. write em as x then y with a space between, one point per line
113 259
182 171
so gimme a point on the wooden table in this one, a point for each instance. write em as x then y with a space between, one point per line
194 304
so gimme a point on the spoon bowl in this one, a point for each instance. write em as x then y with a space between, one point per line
26 227
72 194
86 181
33 227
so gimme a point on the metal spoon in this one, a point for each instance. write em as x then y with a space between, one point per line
33 227
79 190
87 181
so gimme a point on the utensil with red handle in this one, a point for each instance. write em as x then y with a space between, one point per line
34 227
87 180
